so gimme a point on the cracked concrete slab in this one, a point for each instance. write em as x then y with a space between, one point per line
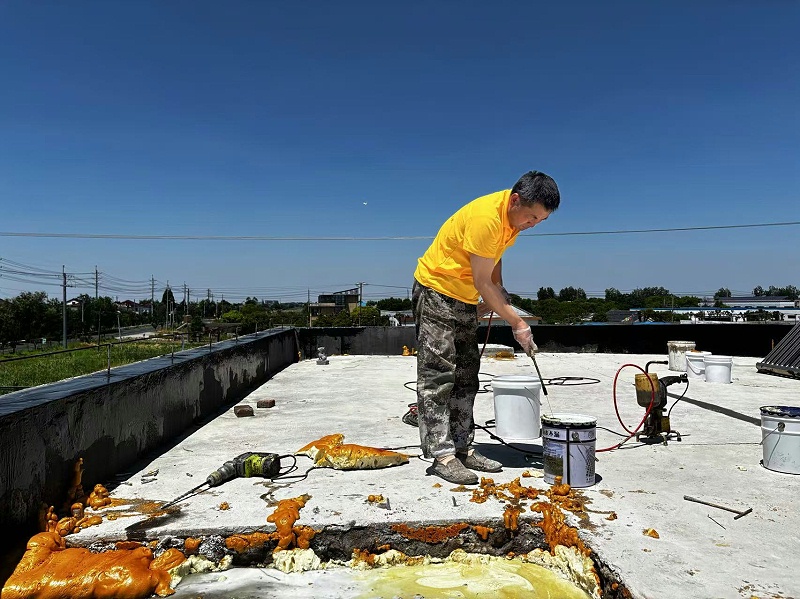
701 551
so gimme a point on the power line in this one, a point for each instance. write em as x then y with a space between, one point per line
391 238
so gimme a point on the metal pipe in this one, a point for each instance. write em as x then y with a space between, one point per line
739 513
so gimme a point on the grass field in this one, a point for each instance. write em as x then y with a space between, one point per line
49 369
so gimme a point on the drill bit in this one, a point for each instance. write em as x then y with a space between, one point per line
184 496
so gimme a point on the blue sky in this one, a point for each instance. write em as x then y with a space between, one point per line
282 119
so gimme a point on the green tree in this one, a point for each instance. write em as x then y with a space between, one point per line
722 292
324 320
368 316
638 297
9 327
545 293
196 327
232 316
393 303
615 296
168 297
570 294
342 319
758 291
30 311
790 291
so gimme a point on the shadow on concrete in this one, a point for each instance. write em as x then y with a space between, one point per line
718 409
526 455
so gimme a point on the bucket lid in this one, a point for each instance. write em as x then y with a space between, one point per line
692 343
716 358
781 411
569 420
697 354
516 380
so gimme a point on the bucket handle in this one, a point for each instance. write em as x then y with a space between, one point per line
781 426
689 365
540 399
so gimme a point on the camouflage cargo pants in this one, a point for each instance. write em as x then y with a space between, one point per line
448 361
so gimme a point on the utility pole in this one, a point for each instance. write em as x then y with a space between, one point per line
360 299
166 315
309 308
64 306
208 301
152 296
96 282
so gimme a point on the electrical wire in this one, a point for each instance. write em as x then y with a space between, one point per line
571 381
677 400
387 238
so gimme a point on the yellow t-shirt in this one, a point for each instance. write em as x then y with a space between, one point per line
481 228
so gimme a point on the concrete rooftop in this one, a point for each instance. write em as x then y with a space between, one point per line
702 551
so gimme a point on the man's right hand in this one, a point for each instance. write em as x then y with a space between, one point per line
524 337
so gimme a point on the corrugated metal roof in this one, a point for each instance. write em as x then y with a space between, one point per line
784 359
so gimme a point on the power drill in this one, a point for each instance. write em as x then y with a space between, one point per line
251 463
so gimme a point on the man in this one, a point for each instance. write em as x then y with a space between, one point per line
462 265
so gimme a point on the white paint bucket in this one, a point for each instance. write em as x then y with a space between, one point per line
568 441
516 407
780 438
677 354
695 364
718 368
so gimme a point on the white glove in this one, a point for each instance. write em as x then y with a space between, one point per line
524 337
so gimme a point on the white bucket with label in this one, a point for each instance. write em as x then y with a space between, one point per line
696 365
516 407
568 441
677 354
780 438
718 368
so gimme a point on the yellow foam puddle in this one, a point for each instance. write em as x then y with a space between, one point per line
499 578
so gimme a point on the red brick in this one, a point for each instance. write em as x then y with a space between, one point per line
243 410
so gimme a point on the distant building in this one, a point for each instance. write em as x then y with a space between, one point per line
626 316
405 318
754 302
333 303
131 306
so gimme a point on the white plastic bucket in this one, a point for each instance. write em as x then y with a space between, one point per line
516 407
780 438
695 364
677 354
568 441
718 368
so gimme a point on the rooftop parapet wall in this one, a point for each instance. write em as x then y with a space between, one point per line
112 422
737 339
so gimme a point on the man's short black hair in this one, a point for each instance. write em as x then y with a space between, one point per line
537 188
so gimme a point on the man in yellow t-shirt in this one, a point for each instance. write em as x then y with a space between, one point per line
462 266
